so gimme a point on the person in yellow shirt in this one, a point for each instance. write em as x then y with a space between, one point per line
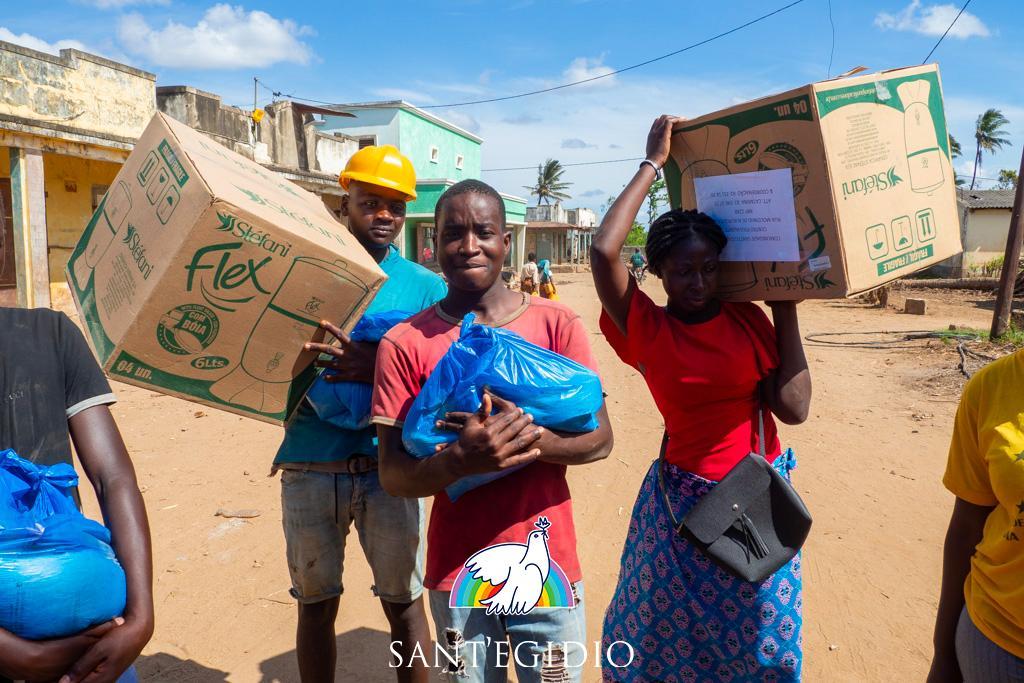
979 628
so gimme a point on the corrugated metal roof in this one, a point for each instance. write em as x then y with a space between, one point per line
986 199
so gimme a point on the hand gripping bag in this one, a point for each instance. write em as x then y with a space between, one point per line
560 393
58 573
347 404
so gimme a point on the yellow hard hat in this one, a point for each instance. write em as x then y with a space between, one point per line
383 166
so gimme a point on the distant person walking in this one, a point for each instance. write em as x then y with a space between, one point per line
638 263
712 368
979 628
528 276
547 282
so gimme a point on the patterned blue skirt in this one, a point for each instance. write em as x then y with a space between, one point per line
686 619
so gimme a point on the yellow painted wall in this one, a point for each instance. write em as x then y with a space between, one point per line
68 183
85 93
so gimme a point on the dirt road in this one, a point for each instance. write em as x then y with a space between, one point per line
870 461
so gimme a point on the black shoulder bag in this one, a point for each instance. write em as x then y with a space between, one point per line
751 523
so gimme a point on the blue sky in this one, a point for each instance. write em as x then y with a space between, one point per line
457 50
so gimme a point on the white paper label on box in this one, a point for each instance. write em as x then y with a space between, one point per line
755 210
820 263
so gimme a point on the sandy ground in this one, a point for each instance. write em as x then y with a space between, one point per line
871 458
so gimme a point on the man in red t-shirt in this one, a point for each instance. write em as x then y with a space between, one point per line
471 249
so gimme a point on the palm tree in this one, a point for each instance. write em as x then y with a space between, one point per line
987 132
549 182
955 152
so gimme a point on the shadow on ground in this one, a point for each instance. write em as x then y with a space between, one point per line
363 656
165 667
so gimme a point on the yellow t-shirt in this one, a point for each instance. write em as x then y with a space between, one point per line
986 467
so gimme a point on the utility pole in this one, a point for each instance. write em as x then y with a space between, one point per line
1007 279
255 82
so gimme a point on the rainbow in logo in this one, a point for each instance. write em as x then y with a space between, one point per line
469 592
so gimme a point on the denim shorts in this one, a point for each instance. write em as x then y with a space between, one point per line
318 511
542 645
981 660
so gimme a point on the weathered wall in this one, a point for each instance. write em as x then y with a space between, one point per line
69 183
547 212
206 113
986 235
330 152
75 93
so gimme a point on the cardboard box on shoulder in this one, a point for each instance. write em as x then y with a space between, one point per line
202 274
872 184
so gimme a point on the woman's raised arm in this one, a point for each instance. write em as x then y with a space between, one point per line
611 277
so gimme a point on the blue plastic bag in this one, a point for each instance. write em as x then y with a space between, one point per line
560 393
347 404
58 573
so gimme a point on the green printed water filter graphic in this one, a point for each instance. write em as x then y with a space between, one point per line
266 361
923 153
113 213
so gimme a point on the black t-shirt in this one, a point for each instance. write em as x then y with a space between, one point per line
47 375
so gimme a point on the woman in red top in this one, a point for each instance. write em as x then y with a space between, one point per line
711 366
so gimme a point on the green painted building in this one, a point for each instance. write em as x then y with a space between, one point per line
442 153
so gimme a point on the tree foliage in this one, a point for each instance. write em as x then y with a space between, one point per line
1007 179
988 137
549 183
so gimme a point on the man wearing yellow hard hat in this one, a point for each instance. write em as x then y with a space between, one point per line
329 479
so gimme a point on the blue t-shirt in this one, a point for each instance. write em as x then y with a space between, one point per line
409 287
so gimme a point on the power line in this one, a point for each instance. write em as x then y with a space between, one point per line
582 163
278 93
617 71
925 61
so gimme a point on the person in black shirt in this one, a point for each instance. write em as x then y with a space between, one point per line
50 387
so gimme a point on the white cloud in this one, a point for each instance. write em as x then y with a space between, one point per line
932 20
461 119
510 143
227 37
121 4
583 68
576 143
34 43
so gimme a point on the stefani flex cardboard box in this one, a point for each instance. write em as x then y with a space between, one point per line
825 191
202 274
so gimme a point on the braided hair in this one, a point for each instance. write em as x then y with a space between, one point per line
679 225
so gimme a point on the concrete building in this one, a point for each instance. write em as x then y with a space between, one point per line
442 154
289 139
558 234
67 123
986 215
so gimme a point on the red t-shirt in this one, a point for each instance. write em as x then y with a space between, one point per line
703 378
505 510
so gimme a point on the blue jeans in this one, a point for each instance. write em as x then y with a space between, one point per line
318 510
543 645
981 660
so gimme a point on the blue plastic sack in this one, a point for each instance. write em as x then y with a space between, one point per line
560 393
347 404
58 573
